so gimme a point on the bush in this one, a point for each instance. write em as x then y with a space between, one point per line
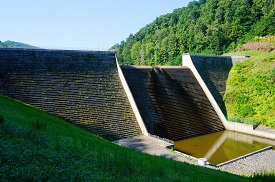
250 89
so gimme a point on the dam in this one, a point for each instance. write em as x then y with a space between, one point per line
171 102
85 88
82 87
90 89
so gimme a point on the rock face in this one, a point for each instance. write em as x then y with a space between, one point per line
82 87
171 102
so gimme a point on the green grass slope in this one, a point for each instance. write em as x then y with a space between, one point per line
250 89
36 146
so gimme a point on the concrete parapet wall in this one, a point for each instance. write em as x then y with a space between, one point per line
131 100
188 61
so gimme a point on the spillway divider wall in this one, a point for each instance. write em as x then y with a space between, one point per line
131 100
187 61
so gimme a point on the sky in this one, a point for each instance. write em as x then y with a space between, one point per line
78 24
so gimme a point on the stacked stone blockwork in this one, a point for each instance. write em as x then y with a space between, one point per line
82 87
171 102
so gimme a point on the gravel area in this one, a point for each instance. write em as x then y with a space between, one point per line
258 163
264 128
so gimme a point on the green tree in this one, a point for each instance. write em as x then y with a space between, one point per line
204 26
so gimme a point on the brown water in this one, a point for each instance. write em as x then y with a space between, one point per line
222 146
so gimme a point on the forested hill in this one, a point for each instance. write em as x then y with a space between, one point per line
12 44
204 26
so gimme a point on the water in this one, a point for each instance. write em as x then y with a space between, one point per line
222 146
165 82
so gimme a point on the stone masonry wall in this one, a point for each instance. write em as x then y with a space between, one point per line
82 87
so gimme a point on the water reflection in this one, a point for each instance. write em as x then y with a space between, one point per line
222 146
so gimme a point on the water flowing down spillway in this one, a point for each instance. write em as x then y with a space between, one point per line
171 102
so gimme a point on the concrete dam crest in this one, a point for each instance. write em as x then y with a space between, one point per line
85 88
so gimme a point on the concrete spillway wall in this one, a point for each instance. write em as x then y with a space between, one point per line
82 87
214 71
211 72
171 102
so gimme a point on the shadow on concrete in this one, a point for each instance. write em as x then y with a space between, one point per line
134 143
174 108
138 81
214 71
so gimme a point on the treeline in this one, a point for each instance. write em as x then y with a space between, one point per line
204 26
13 44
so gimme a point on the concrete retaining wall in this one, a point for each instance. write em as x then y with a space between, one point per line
214 72
248 129
131 100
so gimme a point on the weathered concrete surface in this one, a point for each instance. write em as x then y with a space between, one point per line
153 146
131 100
249 129
188 62
82 87
171 102
214 71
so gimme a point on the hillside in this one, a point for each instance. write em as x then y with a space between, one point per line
204 26
13 44
250 91
36 146
217 27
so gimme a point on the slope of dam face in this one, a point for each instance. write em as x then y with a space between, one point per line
171 102
214 71
82 87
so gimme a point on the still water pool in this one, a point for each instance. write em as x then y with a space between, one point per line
222 146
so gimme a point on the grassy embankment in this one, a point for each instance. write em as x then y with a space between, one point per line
36 146
250 89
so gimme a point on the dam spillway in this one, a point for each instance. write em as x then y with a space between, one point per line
81 87
171 102
85 88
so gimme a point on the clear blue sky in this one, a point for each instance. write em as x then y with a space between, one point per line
78 23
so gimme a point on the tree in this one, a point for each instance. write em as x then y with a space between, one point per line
204 26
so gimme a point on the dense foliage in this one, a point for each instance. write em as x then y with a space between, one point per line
35 146
250 90
204 26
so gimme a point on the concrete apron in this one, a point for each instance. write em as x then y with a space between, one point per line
153 146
